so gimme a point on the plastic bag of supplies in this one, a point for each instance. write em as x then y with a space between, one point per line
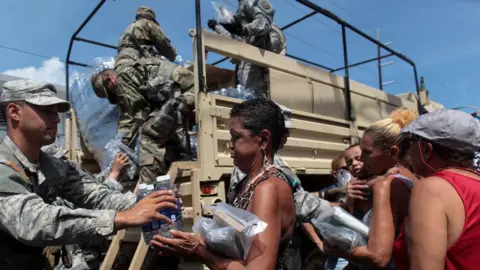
340 229
223 14
231 231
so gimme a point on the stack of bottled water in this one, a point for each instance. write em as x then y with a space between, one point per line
240 92
161 227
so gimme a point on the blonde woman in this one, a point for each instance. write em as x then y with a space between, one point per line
383 154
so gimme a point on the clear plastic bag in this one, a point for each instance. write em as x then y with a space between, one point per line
340 237
231 231
97 119
340 229
343 178
223 14
112 148
338 216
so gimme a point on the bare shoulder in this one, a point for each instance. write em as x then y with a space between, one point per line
433 186
272 191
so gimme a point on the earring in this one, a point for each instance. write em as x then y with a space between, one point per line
266 162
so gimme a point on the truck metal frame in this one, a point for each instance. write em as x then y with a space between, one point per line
329 113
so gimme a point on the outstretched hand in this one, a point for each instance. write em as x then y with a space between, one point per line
147 210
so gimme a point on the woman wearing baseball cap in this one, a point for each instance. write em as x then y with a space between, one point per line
443 226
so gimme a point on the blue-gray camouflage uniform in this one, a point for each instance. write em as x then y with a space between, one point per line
256 19
29 220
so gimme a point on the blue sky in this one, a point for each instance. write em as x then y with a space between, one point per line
440 36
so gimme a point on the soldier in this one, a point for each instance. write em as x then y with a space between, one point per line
152 92
31 180
253 24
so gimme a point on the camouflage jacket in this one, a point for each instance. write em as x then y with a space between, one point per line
307 206
150 37
29 220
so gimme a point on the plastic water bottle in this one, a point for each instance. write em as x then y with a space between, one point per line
149 229
240 94
179 61
193 140
164 183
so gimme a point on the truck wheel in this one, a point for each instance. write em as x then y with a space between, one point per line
314 261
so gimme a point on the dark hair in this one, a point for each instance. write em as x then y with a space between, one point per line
352 146
452 156
260 114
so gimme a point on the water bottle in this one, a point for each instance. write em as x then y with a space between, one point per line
164 183
239 94
193 140
148 229
179 61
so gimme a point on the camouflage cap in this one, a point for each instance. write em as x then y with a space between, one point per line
97 85
145 10
34 92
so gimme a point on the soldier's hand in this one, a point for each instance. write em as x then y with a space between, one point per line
234 28
212 24
146 210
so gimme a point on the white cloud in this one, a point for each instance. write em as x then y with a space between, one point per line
52 71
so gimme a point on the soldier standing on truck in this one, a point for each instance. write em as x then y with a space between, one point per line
31 180
154 94
253 24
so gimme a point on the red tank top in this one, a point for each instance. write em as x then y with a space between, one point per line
463 254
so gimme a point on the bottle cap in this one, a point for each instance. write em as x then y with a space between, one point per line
163 178
150 187
142 186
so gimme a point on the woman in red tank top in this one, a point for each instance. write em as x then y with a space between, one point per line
443 229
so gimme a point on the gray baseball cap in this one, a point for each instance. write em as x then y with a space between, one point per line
287 115
452 129
34 92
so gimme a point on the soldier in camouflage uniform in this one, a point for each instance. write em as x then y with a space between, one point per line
253 25
31 180
152 92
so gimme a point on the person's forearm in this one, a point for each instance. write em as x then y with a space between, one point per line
312 234
364 256
52 225
215 262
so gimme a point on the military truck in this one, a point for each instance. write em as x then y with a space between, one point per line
330 112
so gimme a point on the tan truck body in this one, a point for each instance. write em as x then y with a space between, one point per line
317 100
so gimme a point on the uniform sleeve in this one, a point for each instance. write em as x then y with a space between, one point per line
84 191
261 24
33 222
161 42
308 206
219 29
113 184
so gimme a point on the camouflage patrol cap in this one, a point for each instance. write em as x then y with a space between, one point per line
34 92
98 87
145 10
